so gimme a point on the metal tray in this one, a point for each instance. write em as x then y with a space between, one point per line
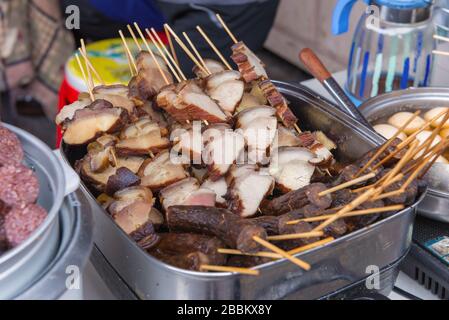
335 265
436 204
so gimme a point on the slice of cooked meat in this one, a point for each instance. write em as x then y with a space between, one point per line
68 112
176 193
250 66
246 116
228 95
101 143
189 144
291 168
216 79
118 101
100 159
286 138
212 65
248 101
220 187
141 138
149 110
114 89
89 123
247 191
201 197
144 60
159 172
123 178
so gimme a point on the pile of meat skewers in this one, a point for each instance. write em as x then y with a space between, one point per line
208 204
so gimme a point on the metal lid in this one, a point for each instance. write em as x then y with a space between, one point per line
404 11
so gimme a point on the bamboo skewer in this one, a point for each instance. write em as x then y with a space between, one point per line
353 213
400 164
84 77
164 76
96 74
347 184
387 144
217 52
131 31
170 43
186 50
161 44
200 58
311 245
228 31
130 56
284 254
208 267
396 178
292 236
161 53
89 75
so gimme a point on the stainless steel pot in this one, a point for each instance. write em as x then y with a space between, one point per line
334 266
21 265
436 204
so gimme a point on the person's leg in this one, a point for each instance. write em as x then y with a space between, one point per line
250 23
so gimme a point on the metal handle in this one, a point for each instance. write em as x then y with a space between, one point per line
320 72
72 180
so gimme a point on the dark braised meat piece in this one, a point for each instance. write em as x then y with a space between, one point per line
183 243
300 227
123 178
234 231
336 229
145 236
188 261
247 261
269 223
297 199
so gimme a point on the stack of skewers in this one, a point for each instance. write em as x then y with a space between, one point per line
265 199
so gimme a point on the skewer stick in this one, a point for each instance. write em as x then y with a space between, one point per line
200 58
217 52
164 76
86 58
387 144
351 213
292 236
161 44
349 207
114 157
208 267
437 130
297 128
186 50
131 31
438 37
89 75
311 245
130 56
85 78
347 184
163 55
170 43
262 254
443 53
284 254
396 178
397 168
228 31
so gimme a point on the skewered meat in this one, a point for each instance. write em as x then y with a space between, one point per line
188 261
148 81
297 199
149 110
123 178
245 117
286 138
21 221
323 157
212 65
181 243
68 111
186 192
117 95
189 144
226 88
187 101
222 147
18 184
141 138
248 101
235 232
269 223
11 149
300 227
98 180
247 190
250 66
324 140
291 168
160 172
220 187
277 100
145 236
92 121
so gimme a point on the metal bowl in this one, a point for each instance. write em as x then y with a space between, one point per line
436 204
20 265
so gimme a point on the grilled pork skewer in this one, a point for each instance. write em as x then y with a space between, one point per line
234 231
188 261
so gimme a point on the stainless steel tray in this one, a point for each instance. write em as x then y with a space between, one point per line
334 266
436 204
